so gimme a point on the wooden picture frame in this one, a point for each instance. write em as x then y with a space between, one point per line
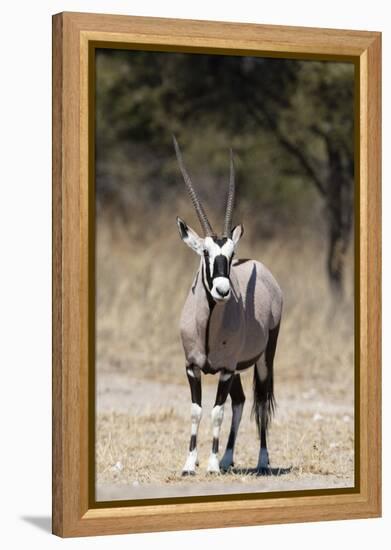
75 35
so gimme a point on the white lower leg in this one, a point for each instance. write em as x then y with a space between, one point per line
191 462
217 420
192 457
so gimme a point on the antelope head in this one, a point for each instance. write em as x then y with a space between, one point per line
216 251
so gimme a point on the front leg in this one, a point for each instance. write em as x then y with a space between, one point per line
194 378
223 388
238 398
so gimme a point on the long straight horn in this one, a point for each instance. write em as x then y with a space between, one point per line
230 199
193 195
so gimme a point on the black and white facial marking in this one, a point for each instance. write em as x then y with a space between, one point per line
217 254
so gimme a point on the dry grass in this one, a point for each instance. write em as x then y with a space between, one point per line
313 437
142 395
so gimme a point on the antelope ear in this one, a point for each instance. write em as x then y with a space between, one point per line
190 237
236 233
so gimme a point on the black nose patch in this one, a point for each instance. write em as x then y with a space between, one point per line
220 268
223 294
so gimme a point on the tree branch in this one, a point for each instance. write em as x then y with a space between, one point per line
290 146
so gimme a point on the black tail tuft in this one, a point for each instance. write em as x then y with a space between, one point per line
264 403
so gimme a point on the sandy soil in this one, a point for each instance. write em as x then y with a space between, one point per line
142 444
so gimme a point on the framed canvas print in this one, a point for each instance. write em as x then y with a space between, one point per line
216 274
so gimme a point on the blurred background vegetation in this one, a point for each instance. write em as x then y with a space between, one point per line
290 123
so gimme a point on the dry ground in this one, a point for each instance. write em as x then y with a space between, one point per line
143 401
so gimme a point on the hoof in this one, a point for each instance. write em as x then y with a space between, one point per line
188 473
213 464
213 472
226 466
191 463
263 471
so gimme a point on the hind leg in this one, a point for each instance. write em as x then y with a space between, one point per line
263 381
263 465
238 399
264 398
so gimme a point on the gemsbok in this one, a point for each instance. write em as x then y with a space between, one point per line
229 323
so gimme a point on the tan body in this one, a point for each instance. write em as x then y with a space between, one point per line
234 334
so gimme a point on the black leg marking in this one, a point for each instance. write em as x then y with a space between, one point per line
193 442
238 398
231 439
194 378
223 388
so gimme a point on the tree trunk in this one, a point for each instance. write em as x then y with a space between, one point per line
339 203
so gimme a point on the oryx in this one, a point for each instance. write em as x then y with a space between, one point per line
230 322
